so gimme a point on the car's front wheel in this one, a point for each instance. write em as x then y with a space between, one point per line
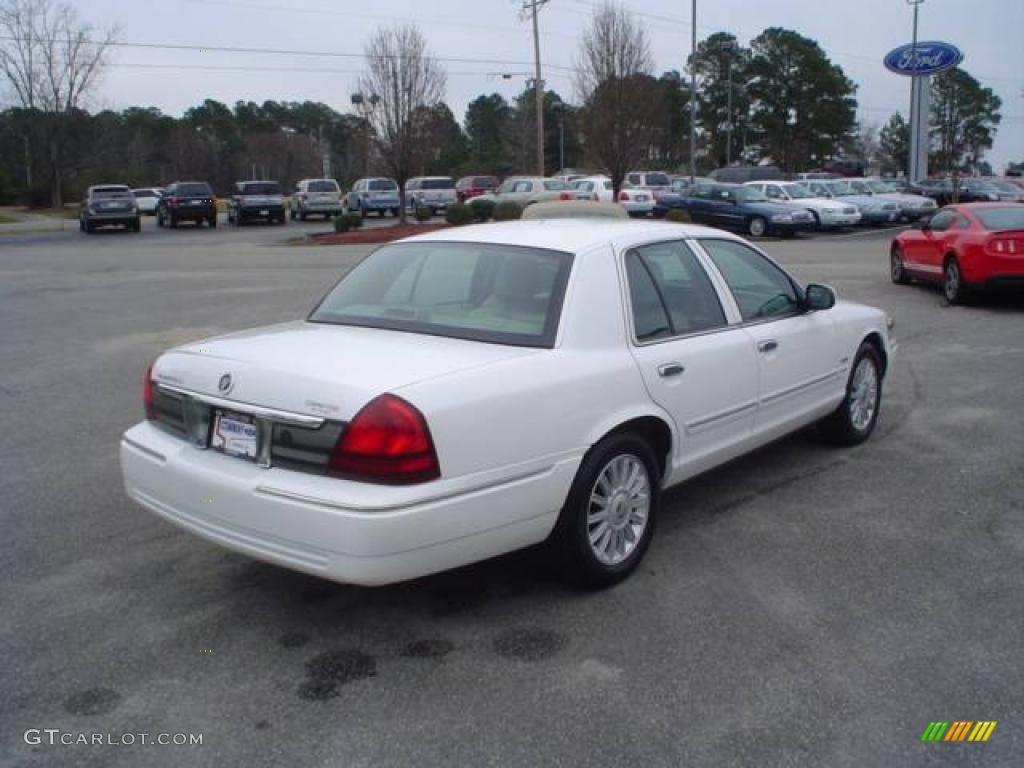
608 519
855 418
757 226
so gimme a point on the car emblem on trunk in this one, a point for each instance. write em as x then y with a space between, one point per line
225 384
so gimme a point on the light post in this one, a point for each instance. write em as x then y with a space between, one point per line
693 93
559 107
917 101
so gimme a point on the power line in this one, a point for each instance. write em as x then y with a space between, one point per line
258 68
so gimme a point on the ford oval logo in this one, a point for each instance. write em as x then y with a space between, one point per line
926 58
225 384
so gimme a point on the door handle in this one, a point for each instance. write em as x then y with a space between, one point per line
768 345
670 369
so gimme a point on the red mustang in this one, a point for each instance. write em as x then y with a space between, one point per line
965 247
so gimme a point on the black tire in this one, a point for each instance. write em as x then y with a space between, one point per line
212 221
136 226
841 426
302 216
817 221
571 538
81 224
757 226
171 221
159 219
294 214
897 272
953 286
90 228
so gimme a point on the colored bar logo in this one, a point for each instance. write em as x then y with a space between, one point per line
958 730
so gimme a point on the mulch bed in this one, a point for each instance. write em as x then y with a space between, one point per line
372 236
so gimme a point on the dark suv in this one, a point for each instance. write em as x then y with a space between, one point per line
109 205
252 200
187 201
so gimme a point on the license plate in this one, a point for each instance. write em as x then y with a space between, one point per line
234 434
264 212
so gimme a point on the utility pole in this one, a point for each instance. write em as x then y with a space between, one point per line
534 7
693 93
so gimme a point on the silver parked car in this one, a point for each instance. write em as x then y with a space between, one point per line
316 197
433 192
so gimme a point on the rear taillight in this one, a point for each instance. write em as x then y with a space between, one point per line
566 196
173 202
147 394
387 442
1006 245
623 197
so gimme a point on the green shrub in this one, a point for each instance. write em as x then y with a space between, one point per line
483 210
343 222
423 214
678 216
507 211
459 214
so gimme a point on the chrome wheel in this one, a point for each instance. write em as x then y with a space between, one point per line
619 509
758 226
896 265
952 282
863 394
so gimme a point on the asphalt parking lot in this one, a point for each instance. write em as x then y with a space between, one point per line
801 606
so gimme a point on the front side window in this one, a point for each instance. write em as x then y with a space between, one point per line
760 288
479 291
670 293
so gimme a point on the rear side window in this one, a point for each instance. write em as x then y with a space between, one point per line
670 293
760 288
479 291
194 189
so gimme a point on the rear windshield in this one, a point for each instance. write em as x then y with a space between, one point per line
195 189
144 193
555 185
437 184
502 294
1001 219
323 186
383 185
261 188
485 181
111 192
658 180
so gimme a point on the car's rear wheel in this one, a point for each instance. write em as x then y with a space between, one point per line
171 221
159 219
757 226
897 272
855 418
89 227
817 220
212 221
608 519
953 287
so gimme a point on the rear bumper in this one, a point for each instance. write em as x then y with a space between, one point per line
111 219
348 532
261 211
379 205
840 219
633 206
188 213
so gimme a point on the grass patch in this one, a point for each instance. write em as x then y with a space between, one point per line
8 220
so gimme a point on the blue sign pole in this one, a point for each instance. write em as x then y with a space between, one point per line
917 160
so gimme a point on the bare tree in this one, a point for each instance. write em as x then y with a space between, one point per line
51 62
401 79
615 85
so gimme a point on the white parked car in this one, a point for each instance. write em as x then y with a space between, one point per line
828 214
595 188
435 193
147 198
638 201
527 190
465 393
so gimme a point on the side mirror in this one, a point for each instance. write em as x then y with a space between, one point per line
819 297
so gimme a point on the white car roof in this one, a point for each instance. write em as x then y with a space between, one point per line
571 235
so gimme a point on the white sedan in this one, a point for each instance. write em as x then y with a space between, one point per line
469 392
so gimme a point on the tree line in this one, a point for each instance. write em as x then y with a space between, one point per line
781 98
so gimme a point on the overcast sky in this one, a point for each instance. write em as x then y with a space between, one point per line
856 34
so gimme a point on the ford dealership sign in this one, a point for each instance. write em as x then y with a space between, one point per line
925 58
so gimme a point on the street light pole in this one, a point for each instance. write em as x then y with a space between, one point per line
916 83
728 124
693 92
